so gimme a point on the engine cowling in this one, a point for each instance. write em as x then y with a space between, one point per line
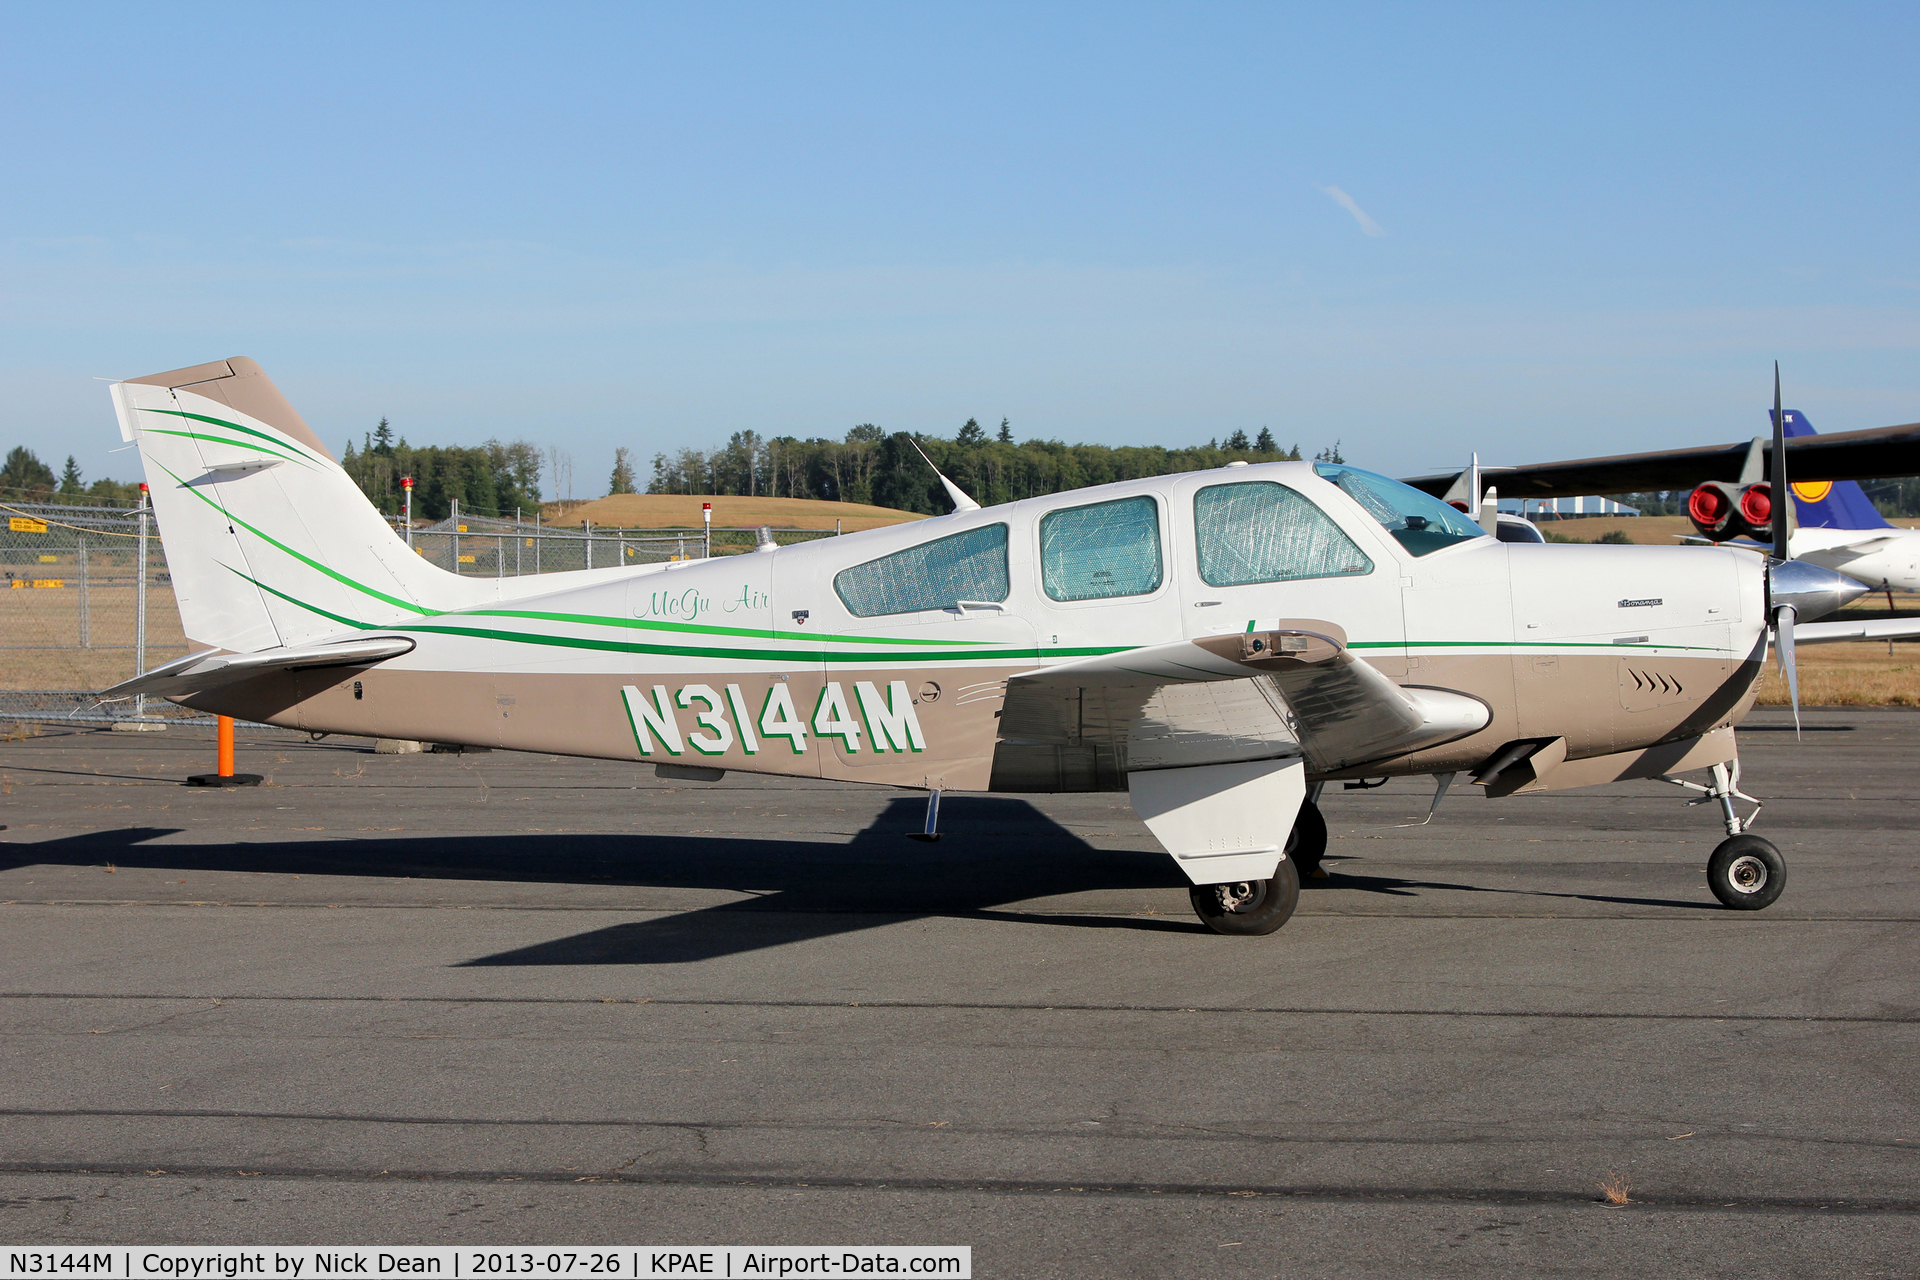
1720 510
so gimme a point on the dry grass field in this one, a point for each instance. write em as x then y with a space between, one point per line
40 635
676 511
1867 673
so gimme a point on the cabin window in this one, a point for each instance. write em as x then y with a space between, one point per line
940 574
1259 531
1419 522
1108 549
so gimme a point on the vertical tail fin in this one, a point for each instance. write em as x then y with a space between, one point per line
1829 504
269 542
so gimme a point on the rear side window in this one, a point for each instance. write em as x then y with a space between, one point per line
933 575
1108 549
1265 532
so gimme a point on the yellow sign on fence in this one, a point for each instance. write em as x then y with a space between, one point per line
17 583
466 559
23 524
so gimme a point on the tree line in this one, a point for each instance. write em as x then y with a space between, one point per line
24 478
885 469
487 479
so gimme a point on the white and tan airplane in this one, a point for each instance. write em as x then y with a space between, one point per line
1220 644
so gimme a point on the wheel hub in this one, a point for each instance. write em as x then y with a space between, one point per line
1747 874
1241 895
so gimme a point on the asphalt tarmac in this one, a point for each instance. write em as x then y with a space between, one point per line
508 998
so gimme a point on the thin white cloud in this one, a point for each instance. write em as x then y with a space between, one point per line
1345 201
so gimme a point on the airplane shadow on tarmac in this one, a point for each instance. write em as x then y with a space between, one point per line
997 851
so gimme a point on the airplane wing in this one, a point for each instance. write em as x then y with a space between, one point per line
198 672
1849 455
1261 695
1864 545
1829 632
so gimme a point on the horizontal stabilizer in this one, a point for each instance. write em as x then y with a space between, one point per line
198 672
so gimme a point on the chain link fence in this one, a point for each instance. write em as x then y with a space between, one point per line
86 603
87 600
488 546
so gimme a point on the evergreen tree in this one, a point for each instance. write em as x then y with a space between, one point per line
1263 443
1330 454
622 479
971 436
24 473
1237 442
382 442
70 485
1006 432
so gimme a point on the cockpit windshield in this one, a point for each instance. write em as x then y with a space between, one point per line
1417 522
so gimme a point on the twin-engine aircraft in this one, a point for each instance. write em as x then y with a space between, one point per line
1220 644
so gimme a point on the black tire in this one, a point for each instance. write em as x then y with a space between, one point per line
1307 842
1746 873
1248 908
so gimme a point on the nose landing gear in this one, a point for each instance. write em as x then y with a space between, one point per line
1745 872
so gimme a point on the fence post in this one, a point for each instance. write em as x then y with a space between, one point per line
140 603
538 538
86 613
519 541
456 535
589 525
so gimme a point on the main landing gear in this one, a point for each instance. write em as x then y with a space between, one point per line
1250 908
1745 872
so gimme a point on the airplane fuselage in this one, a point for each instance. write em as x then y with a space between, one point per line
873 658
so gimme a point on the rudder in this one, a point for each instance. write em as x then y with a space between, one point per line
268 540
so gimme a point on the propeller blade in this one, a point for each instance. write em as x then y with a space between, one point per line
1783 644
1782 496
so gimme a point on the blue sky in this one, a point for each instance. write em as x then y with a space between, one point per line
1536 231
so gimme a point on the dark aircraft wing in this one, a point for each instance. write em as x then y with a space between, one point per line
1850 455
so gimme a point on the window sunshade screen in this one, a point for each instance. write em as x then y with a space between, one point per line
1109 549
933 575
1264 532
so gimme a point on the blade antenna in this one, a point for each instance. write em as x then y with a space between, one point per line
960 498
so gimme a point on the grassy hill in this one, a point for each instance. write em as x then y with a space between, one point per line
679 511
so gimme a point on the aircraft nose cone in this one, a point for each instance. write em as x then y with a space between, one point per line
1812 590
